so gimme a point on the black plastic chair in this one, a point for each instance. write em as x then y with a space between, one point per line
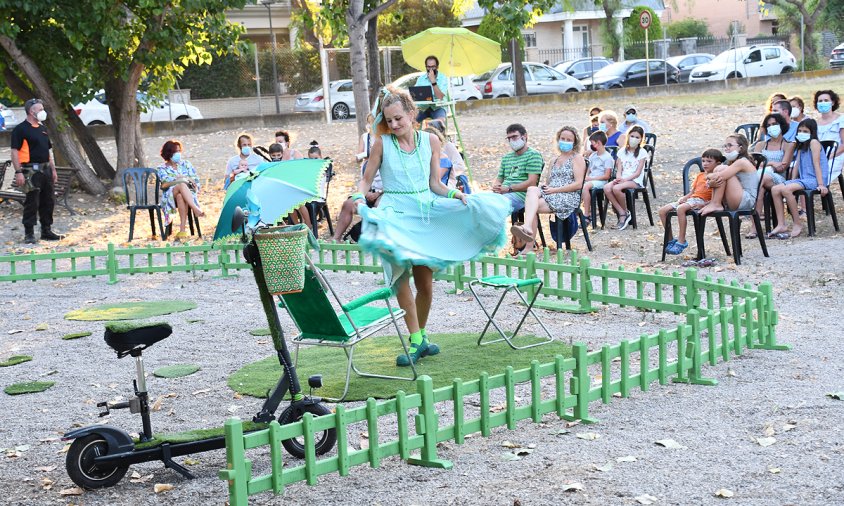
734 219
140 197
519 217
750 130
318 209
829 148
631 194
193 221
650 140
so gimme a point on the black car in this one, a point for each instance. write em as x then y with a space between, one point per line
688 62
631 73
581 68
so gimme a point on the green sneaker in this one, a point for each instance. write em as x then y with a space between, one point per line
416 352
430 348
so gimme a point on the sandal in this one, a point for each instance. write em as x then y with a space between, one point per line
750 235
669 244
677 248
521 232
779 235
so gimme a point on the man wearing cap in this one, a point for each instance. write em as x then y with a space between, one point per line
35 172
631 119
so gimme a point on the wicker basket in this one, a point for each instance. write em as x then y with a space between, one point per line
283 251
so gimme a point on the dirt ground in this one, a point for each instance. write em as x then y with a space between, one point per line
761 394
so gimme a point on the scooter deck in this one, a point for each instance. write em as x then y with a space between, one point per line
190 436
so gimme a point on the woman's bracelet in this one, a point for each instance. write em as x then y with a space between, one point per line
452 194
357 196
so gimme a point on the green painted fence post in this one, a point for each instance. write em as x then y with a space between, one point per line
585 286
238 468
693 340
581 383
111 265
770 318
530 272
692 295
426 425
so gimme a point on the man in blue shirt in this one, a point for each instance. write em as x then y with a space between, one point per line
631 119
439 84
783 108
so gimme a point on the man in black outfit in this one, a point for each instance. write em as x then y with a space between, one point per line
35 172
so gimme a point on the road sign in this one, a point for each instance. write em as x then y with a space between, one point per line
645 19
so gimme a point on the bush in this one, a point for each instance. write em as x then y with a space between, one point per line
687 28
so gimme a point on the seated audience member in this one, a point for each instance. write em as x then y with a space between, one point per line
777 151
446 166
244 146
608 123
561 194
630 172
735 182
448 147
631 119
774 98
439 87
372 197
812 170
699 196
180 184
600 170
798 108
519 170
783 108
283 137
593 122
276 152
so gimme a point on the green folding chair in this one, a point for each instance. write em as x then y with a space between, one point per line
509 285
320 324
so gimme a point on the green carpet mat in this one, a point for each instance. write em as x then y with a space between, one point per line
176 371
29 387
130 310
15 360
460 357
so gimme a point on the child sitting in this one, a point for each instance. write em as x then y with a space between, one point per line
700 195
600 168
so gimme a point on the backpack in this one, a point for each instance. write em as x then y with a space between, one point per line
569 228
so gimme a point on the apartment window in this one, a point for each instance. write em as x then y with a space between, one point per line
530 39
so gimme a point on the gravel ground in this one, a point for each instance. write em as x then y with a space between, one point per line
760 393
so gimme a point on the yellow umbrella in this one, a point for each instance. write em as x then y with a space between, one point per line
461 52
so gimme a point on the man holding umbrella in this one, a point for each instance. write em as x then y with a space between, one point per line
439 84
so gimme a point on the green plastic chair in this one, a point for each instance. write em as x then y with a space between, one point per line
320 324
509 285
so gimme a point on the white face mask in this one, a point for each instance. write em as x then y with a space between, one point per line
41 115
795 112
517 144
634 142
731 155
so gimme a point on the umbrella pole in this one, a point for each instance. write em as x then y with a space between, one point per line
453 109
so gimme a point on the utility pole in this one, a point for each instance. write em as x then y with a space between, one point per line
267 3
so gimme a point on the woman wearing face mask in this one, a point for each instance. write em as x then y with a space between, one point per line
282 137
561 195
734 184
608 123
630 170
831 126
812 171
778 152
244 147
798 108
180 184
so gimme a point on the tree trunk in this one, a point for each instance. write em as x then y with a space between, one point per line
373 59
99 162
125 115
140 156
609 26
59 133
518 70
357 55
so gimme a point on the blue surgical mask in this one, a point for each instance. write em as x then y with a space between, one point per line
774 131
177 157
631 118
246 151
803 136
602 127
824 107
565 146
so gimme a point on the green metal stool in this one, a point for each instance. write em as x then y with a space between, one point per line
509 284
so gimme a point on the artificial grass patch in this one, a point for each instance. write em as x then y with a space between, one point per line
260 332
130 310
76 335
460 358
15 360
193 435
176 371
28 387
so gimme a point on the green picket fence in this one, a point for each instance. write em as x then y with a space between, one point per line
721 320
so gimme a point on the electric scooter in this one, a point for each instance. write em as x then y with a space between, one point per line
100 455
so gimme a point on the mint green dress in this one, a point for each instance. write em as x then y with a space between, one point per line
413 226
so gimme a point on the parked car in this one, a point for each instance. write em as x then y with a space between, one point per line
750 61
539 79
688 62
836 58
462 88
631 73
342 100
95 111
581 68
9 119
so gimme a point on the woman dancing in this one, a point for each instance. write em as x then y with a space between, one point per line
420 225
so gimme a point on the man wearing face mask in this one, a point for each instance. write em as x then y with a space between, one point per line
631 119
35 172
520 169
244 146
783 108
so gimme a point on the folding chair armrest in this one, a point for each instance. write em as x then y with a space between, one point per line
380 294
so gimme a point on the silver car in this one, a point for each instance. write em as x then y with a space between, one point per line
342 100
539 79
9 119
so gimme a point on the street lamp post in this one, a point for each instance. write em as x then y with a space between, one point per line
267 3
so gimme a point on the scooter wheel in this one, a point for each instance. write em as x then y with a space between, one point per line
82 469
324 441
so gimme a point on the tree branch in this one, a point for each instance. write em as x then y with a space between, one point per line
376 11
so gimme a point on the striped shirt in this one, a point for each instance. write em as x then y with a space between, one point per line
516 168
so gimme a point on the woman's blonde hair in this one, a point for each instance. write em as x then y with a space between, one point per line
391 96
610 116
576 138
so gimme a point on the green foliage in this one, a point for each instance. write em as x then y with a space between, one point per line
687 28
15 360
516 14
28 387
409 17
229 75
492 27
634 35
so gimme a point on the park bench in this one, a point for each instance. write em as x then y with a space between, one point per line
8 191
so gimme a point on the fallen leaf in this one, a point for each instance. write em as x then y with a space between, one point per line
156 406
46 483
627 458
765 441
603 467
190 462
45 469
787 427
572 487
22 448
769 431
646 499
589 436
669 443
498 408
562 432
723 492
71 491
201 391
508 444
162 487
730 372
774 470
838 396
42 326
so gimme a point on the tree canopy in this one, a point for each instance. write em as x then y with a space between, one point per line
687 28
